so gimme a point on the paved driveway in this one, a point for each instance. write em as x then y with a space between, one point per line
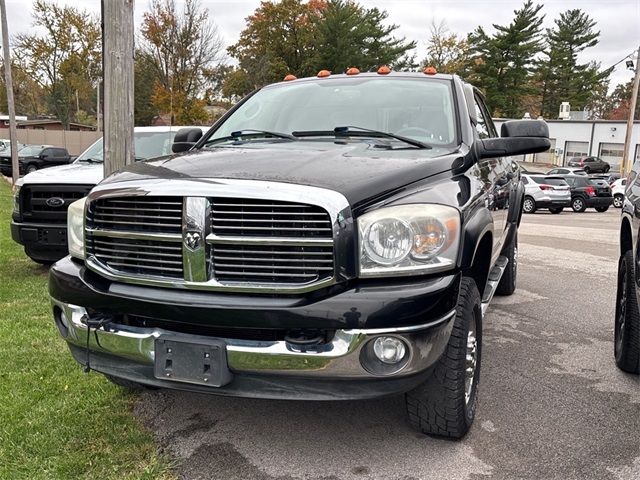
552 404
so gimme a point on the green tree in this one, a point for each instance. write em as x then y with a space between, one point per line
278 39
349 35
562 78
446 51
144 83
504 61
66 60
178 49
30 97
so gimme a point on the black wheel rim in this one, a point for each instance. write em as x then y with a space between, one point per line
621 310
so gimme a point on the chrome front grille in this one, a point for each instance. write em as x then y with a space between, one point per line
277 264
263 218
211 243
138 257
138 214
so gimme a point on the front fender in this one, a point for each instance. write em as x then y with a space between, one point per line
474 230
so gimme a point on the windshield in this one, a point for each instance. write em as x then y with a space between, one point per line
418 109
30 151
147 145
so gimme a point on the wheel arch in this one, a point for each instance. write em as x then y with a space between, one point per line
477 248
626 237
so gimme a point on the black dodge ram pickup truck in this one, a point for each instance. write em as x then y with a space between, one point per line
337 237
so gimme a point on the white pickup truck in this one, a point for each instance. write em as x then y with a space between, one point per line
39 220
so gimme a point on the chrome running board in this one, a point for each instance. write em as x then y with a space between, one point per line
492 282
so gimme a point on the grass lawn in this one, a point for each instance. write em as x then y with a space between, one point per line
55 421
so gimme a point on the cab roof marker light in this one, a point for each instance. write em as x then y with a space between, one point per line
324 73
430 71
352 71
290 77
384 70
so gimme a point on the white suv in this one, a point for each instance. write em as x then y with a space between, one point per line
617 189
544 191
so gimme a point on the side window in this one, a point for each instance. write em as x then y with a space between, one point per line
485 126
525 180
47 152
552 172
570 181
60 153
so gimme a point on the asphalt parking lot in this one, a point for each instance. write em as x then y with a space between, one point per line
552 403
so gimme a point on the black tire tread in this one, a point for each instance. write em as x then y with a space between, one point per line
437 407
630 357
507 283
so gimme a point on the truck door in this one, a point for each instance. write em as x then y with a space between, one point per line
495 172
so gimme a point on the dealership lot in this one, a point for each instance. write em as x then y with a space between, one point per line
552 403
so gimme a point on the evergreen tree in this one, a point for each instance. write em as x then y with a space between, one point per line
562 78
348 35
503 62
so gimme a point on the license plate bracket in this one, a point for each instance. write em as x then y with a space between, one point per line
201 361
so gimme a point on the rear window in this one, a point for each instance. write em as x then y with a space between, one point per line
597 182
549 181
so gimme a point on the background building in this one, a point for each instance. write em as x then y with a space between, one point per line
579 138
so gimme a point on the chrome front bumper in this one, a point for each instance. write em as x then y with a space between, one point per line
339 359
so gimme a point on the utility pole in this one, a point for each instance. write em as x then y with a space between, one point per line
13 135
117 63
626 162
98 106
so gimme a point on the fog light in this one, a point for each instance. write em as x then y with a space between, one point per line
385 355
62 322
389 350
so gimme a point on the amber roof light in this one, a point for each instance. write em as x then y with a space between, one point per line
352 71
324 73
290 77
429 71
384 70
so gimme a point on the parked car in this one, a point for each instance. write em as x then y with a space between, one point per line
617 189
543 191
613 177
589 193
282 257
39 219
626 338
566 171
35 157
589 164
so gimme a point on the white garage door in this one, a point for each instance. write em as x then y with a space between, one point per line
575 149
611 153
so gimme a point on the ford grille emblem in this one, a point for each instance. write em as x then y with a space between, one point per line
54 202
192 240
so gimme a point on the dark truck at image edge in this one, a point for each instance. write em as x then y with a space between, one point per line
329 238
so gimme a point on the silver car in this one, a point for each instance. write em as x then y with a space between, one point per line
544 191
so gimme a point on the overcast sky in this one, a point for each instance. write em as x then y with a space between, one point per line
617 20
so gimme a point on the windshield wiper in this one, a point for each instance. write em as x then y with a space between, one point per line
346 131
253 133
90 160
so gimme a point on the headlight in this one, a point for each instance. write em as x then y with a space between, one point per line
16 199
408 239
75 228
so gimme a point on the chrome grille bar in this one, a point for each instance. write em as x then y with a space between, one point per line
248 237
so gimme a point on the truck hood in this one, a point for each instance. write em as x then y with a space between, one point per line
359 170
79 173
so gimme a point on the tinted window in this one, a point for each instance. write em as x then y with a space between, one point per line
525 181
147 145
549 181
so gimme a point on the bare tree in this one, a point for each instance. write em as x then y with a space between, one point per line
447 52
183 47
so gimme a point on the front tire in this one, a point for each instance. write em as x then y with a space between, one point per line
602 209
606 169
578 205
445 405
529 205
618 200
627 322
31 168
